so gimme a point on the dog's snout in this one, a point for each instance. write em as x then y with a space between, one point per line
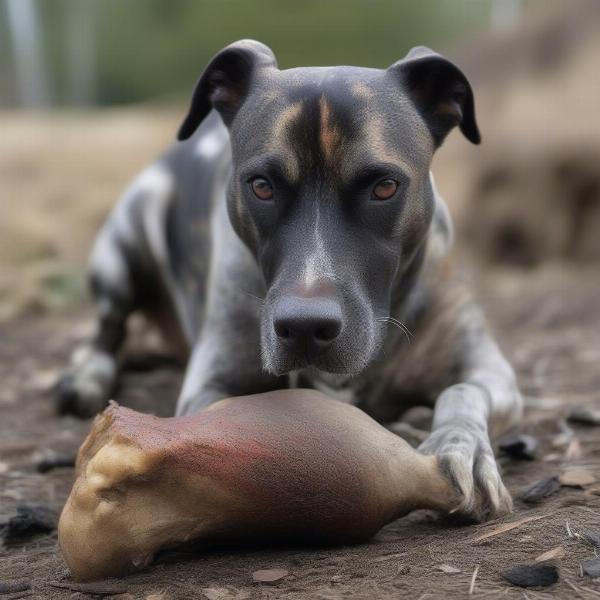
306 325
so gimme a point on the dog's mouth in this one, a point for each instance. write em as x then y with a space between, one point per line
329 361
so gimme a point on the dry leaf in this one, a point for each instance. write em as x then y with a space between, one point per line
394 556
449 569
584 415
551 457
554 554
217 593
43 380
576 478
508 527
269 575
562 439
573 451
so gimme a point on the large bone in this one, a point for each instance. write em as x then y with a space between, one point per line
288 465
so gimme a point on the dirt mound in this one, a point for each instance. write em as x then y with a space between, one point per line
538 204
531 191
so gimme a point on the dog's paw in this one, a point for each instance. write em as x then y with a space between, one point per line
465 456
86 387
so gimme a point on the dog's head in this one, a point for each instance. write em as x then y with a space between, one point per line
331 189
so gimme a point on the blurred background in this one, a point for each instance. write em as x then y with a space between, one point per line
92 90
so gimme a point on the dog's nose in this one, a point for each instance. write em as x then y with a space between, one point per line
307 324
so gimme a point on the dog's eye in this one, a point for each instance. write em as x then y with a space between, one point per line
262 188
385 189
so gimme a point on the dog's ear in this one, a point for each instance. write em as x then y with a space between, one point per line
225 82
440 91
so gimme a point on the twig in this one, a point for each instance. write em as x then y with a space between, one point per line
472 586
573 587
590 590
588 509
499 591
508 527
100 589
569 532
13 587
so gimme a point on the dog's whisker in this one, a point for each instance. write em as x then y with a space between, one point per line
258 298
399 324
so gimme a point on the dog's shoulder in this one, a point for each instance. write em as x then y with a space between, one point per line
440 238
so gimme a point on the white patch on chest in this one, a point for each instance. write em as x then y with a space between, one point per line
210 145
344 394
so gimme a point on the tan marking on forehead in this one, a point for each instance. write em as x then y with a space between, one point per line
280 138
362 90
329 135
374 138
289 114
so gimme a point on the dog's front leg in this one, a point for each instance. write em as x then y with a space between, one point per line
467 415
226 358
223 364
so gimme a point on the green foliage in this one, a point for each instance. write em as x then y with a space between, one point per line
156 48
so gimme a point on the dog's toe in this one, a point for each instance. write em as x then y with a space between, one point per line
80 398
466 458
84 390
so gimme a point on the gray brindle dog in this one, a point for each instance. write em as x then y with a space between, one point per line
296 239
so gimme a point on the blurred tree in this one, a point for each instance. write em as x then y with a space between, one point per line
30 73
110 51
81 52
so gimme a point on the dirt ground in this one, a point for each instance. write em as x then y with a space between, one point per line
60 174
549 323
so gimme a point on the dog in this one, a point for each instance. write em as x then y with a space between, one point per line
294 237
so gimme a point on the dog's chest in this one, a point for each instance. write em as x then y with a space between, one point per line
334 386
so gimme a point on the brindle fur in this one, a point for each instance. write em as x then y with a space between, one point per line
189 245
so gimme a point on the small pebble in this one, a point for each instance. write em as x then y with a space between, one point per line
591 567
576 478
449 569
540 490
519 447
584 415
49 463
30 519
269 575
593 537
531 575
